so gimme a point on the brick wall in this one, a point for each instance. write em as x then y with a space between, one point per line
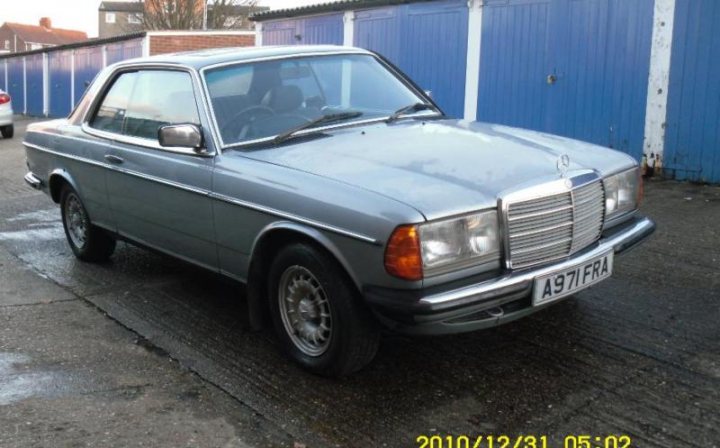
174 43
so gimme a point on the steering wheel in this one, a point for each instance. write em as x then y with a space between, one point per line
235 119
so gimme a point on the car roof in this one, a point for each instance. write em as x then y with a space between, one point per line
203 58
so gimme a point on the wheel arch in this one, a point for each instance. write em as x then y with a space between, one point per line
268 241
59 177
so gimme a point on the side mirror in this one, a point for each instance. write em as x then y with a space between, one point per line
181 136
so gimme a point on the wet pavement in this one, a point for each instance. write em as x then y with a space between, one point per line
148 350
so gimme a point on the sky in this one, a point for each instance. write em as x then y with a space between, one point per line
82 14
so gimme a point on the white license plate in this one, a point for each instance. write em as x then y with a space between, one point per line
562 283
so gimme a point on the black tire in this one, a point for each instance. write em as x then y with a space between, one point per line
96 245
354 336
7 131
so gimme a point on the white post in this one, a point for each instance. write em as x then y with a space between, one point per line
146 45
258 34
659 79
205 17
472 67
24 86
46 84
72 79
348 41
104 55
349 28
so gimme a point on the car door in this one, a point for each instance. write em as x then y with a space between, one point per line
158 196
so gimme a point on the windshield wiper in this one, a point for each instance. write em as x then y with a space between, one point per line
416 107
320 120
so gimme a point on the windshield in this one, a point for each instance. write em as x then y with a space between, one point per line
264 99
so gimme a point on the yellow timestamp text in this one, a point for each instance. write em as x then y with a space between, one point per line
522 441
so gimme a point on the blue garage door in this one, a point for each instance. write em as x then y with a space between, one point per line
34 79
428 41
59 66
16 84
315 30
124 50
692 136
577 68
3 63
88 62
281 32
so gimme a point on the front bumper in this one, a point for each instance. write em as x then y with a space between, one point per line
488 302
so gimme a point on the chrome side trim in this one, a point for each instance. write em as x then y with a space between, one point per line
67 156
520 281
216 196
32 180
142 142
293 217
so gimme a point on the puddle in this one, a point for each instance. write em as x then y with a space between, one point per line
16 384
53 232
48 215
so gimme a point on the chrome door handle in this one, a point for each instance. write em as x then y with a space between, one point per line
114 159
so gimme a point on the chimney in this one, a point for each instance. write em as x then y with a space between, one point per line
46 23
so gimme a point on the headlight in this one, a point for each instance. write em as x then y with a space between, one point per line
622 193
415 251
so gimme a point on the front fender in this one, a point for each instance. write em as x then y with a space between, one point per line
311 233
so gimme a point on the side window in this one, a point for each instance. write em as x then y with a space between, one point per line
111 114
160 98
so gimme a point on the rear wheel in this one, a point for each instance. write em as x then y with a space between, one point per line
317 313
7 131
88 242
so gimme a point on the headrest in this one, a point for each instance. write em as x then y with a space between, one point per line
284 98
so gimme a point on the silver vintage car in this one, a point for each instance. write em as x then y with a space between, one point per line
338 190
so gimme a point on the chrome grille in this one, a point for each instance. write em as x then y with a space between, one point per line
552 227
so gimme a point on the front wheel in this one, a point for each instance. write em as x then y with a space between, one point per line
317 313
88 242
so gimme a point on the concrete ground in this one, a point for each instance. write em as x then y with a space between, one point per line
148 351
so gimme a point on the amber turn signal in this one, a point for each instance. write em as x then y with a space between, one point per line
402 255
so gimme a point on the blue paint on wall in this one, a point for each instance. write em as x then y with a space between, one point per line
428 41
315 30
59 83
692 136
597 53
16 84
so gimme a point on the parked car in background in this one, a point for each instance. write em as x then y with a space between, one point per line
338 191
7 128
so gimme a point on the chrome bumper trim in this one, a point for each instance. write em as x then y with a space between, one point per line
34 181
519 281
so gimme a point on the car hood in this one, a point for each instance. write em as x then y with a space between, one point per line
440 167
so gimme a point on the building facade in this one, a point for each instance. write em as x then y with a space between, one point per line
18 37
122 17
117 18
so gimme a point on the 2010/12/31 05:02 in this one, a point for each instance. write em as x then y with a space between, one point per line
522 441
